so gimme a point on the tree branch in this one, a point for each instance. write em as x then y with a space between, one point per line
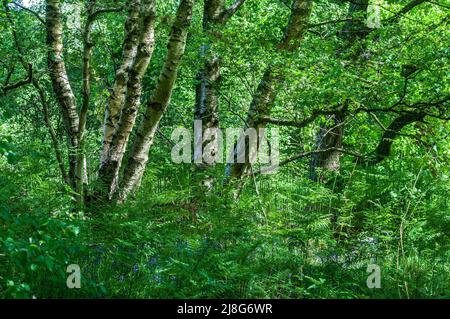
30 11
299 124
98 12
305 154
411 5
329 22
226 14
383 149
53 136
27 66
27 80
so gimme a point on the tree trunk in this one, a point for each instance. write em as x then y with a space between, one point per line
206 111
207 93
117 97
60 82
53 136
81 175
266 92
330 136
157 104
109 171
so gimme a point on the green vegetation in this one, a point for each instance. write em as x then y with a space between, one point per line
358 90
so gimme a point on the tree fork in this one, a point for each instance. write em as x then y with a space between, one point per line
158 103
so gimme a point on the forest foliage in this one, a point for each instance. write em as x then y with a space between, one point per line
91 91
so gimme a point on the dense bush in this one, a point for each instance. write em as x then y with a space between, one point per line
290 241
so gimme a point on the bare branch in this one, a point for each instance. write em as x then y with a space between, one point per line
411 5
30 11
27 80
98 12
383 149
228 13
306 154
329 22
304 122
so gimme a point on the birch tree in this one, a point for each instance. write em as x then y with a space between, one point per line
115 149
208 86
61 84
272 81
159 101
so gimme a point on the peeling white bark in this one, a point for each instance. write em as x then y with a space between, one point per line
117 97
158 103
109 172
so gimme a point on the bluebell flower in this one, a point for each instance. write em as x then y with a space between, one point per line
157 278
180 245
99 249
135 268
153 261
97 261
